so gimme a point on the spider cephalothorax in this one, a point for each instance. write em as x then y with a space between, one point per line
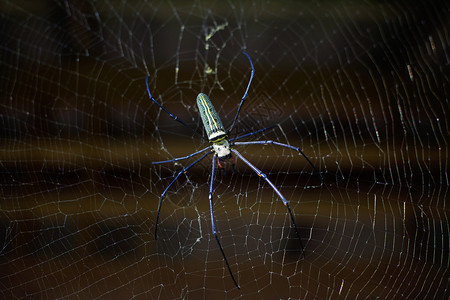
222 148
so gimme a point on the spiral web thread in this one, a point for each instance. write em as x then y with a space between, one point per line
360 86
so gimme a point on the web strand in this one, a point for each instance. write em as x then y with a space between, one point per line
93 167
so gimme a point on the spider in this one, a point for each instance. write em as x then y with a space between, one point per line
222 148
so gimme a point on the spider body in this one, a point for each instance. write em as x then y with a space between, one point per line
215 131
222 148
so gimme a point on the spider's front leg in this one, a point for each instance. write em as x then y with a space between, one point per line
224 172
222 169
184 170
283 199
233 162
213 223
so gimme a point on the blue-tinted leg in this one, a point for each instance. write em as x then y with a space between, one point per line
253 133
270 142
167 188
213 223
180 158
285 202
170 114
245 94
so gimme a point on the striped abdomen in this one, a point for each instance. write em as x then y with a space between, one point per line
211 121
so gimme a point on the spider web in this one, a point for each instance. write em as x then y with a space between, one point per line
360 86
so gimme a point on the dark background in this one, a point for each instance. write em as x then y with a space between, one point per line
361 87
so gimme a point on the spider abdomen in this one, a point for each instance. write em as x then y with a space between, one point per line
211 121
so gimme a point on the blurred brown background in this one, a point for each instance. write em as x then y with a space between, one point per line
361 87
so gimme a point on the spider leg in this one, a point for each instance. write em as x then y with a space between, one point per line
233 163
224 172
170 184
253 133
270 142
170 114
285 202
180 158
213 223
245 94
